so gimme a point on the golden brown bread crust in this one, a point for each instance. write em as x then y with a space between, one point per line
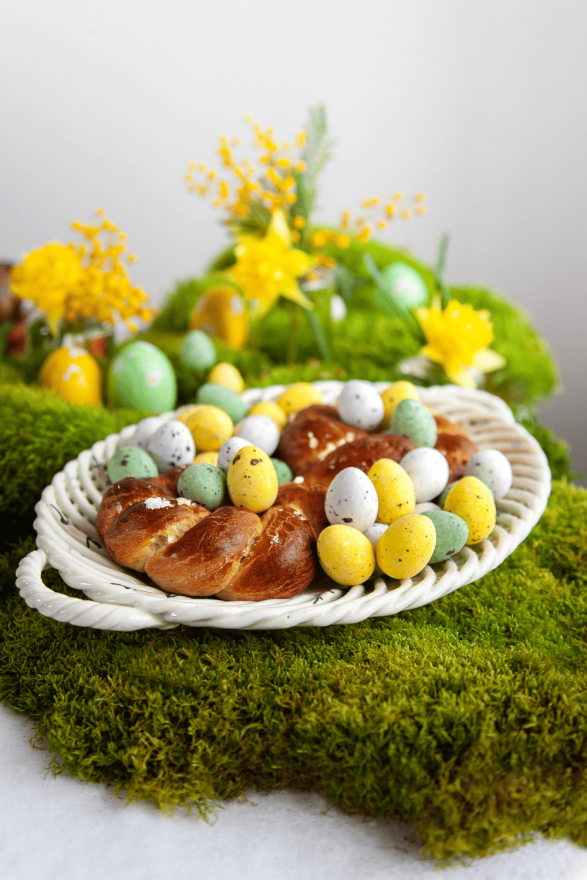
306 499
141 531
280 562
457 449
121 496
205 559
312 434
361 453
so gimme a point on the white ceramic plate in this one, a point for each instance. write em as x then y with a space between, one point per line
123 600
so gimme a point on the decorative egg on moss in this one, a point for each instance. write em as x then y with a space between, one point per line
73 374
141 377
406 284
221 312
197 351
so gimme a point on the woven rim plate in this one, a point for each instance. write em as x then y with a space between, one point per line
125 601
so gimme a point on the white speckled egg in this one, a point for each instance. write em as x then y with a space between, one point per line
351 500
428 469
426 507
492 468
373 534
260 431
360 405
172 445
145 430
229 449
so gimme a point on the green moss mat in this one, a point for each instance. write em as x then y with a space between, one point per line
466 717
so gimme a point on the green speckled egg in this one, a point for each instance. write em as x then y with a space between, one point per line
452 533
224 398
283 471
204 484
411 419
130 461
142 377
197 351
406 284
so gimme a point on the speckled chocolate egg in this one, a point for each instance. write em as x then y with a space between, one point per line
73 374
172 445
346 555
207 458
298 396
406 547
197 351
373 534
395 393
360 405
428 470
444 494
452 533
142 377
283 471
492 468
229 449
228 375
204 484
471 499
351 500
413 420
209 426
130 461
251 480
260 431
213 394
395 490
425 506
145 430
406 284
270 409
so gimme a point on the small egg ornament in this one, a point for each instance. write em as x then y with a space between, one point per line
210 427
172 445
492 468
73 374
228 375
221 312
270 409
413 420
251 480
229 449
428 470
207 458
360 405
197 351
346 555
224 398
130 461
406 284
406 547
351 500
142 377
425 506
395 490
259 431
298 396
145 430
283 471
472 501
374 533
204 484
444 494
452 534
393 395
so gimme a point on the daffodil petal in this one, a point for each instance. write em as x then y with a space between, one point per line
279 227
486 360
295 295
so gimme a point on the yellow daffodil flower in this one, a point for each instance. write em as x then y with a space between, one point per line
267 268
457 338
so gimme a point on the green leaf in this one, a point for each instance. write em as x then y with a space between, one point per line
257 221
444 291
319 334
386 301
346 283
316 154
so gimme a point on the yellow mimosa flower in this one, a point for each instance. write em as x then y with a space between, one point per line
457 338
48 276
267 268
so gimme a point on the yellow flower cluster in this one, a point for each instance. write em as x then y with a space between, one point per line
377 213
271 182
89 281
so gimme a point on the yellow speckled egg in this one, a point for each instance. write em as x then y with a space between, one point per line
271 410
209 425
73 374
227 375
395 394
252 480
221 312
298 396
346 555
470 499
395 490
407 546
207 458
